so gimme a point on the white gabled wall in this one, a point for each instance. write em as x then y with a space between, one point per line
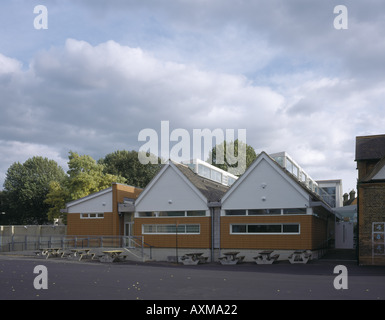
97 203
265 186
170 192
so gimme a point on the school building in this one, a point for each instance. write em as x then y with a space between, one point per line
197 207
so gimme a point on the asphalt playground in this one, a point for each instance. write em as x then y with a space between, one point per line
154 281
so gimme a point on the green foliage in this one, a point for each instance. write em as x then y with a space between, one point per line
26 187
228 155
85 176
127 164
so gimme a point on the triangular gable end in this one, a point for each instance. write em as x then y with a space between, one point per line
170 190
100 201
265 185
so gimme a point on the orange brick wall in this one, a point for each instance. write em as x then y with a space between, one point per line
100 227
202 240
111 224
305 240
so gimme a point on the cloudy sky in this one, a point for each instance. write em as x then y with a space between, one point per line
105 70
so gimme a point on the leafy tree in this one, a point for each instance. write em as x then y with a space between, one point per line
26 187
85 176
234 156
127 164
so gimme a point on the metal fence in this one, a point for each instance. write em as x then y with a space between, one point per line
27 243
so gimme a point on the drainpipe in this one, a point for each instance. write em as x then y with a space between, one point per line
212 234
212 206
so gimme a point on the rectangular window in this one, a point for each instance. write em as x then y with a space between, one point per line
294 211
290 228
257 212
171 214
146 214
198 213
170 229
92 215
265 228
216 176
235 212
191 213
204 171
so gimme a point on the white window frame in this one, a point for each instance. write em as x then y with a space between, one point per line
265 233
186 214
173 225
98 215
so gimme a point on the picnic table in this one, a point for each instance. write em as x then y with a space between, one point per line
79 254
112 256
193 258
231 258
299 256
265 257
48 252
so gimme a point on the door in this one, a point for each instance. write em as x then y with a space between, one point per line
344 235
128 232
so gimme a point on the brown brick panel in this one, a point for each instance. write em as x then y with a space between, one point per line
202 240
304 240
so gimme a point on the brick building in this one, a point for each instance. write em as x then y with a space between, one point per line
370 158
99 213
197 207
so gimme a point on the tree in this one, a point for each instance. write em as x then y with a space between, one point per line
126 163
234 156
84 176
26 187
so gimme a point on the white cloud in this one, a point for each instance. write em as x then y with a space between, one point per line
103 72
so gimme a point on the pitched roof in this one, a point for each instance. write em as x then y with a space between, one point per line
212 191
295 182
370 147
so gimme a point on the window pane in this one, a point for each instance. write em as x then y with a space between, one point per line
216 176
192 228
235 212
199 213
264 228
255 212
295 211
291 228
146 214
238 228
203 171
171 214
148 228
